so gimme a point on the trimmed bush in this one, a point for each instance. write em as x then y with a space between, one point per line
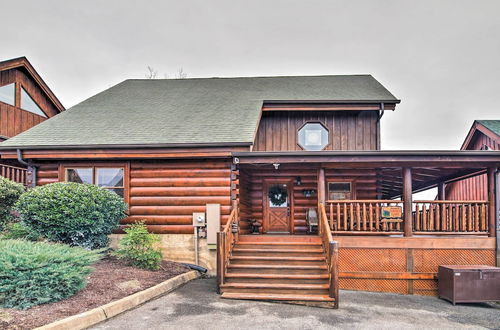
37 273
72 213
18 230
139 247
10 191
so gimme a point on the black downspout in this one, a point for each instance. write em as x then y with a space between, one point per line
31 174
382 110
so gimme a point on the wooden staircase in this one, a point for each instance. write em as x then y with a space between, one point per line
284 268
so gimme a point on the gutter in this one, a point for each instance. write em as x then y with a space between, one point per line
123 146
31 177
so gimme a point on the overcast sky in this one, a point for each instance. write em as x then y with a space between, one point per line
441 58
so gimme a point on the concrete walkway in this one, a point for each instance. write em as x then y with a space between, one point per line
197 306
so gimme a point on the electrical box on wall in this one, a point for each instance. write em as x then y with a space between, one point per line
213 224
199 219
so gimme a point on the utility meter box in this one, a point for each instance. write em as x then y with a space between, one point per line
199 219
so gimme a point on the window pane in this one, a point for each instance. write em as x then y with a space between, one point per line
110 177
27 103
8 94
339 190
79 175
119 192
313 136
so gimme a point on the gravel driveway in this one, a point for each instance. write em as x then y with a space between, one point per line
197 306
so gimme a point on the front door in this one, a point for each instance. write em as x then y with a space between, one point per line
277 206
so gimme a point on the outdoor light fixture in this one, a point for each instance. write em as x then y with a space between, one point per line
298 181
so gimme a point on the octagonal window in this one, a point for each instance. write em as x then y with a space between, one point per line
313 136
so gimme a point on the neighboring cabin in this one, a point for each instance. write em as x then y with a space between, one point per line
25 101
483 135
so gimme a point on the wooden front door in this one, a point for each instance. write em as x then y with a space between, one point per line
277 206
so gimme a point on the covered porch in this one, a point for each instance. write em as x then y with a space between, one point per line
371 233
367 193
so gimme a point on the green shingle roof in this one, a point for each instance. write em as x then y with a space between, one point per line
492 125
180 111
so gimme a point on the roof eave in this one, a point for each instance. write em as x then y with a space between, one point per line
127 146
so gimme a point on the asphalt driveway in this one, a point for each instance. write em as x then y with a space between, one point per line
197 306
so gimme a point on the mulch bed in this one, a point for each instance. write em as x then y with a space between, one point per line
112 279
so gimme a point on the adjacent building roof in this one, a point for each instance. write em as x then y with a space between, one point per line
23 64
190 111
490 128
492 125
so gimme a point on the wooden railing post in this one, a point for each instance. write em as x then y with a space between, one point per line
491 202
407 202
220 259
334 272
321 186
441 191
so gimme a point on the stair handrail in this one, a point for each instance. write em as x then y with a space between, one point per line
225 243
332 252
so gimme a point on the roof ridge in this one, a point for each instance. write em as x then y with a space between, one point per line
253 77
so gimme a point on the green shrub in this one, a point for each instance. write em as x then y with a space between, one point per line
139 247
18 230
10 191
72 213
37 273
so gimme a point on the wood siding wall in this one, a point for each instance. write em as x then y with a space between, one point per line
164 194
14 120
475 188
348 130
364 187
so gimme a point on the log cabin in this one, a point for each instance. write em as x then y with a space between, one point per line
298 197
25 101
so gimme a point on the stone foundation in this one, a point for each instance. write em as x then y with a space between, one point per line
180 248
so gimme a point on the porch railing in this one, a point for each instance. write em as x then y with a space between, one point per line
225 242
16 174
365 217
332 254
354 216
450 217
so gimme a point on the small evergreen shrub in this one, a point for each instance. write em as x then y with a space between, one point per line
10 191
18 230
72 213
37 273
139 247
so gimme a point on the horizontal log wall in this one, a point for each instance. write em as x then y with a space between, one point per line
364 185
165 194
14 120
348 130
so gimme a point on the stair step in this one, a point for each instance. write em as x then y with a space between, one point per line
275 286
279 243
278 258
277 250
278 276
268 266
282 297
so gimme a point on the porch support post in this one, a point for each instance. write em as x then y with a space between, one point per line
321 186
441 191
491 202
407 202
